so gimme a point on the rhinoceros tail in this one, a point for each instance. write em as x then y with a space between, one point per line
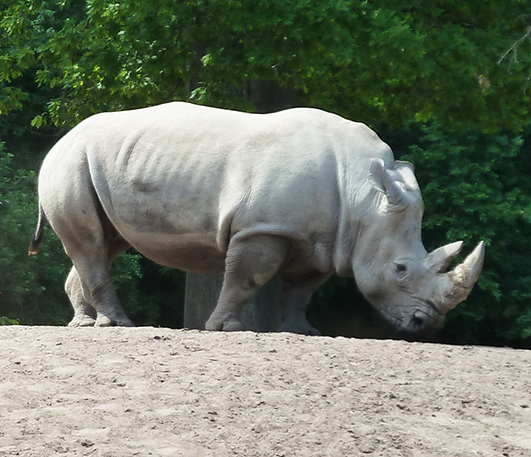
38 237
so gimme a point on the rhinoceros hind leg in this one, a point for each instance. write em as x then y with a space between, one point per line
296 295
117 317
250 263
84 313
82 321
89 285
73 209
99 291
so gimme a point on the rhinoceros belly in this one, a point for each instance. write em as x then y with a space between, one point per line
194 252
175 232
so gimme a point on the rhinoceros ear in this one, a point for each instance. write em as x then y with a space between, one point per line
407 171
385 182
377 173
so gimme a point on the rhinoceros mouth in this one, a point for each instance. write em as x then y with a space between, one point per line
420 319
436 311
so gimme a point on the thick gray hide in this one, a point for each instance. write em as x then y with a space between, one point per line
301 194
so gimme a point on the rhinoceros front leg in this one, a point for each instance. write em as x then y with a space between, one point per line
250 263
295 297
84 312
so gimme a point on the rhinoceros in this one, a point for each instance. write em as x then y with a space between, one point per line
301 193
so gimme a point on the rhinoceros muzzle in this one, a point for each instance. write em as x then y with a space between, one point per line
425 319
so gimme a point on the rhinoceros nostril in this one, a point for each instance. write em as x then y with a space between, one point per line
418 320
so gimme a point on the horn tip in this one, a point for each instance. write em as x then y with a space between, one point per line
480 248
456 247
474 261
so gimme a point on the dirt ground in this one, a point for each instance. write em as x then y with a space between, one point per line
158 392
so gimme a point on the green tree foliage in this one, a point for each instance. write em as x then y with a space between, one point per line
439 80
28 294
377 61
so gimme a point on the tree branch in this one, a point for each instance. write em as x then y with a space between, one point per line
514 48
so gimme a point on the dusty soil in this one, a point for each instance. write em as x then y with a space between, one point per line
159 392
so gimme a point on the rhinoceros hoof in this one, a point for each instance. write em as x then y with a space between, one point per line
82 321
301 327
105 321
228 325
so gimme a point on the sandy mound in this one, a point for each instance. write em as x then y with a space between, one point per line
158 392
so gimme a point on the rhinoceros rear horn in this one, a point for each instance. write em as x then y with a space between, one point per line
459 282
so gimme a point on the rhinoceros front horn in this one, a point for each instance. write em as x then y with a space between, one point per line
458 283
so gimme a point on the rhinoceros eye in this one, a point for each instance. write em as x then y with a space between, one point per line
400 268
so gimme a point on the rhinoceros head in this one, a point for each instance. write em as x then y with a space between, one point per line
411 288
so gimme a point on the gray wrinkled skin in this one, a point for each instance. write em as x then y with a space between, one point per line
302 193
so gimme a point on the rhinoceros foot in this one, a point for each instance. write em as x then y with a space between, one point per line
105 321
298 325
82 320
227 324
